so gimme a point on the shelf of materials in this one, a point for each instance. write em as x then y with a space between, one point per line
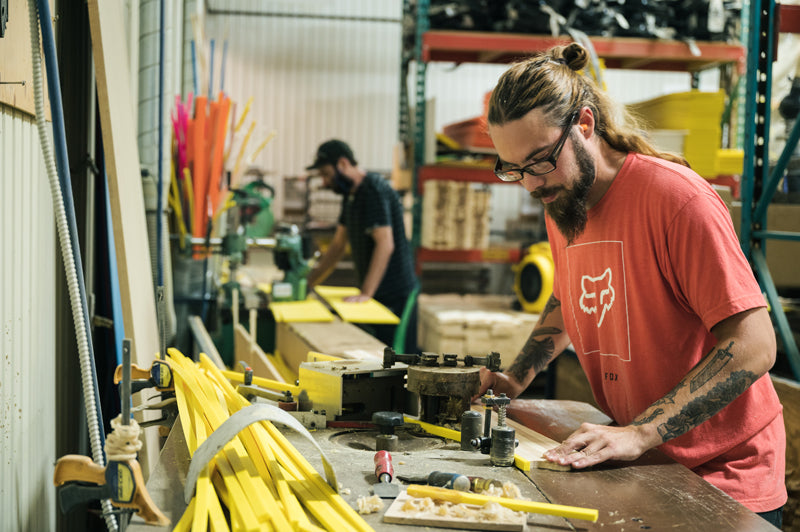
488 255
489 47
455 172
465 174
617 52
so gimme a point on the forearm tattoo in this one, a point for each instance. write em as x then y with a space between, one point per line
537 353
549 307
668 399
717 362
702 408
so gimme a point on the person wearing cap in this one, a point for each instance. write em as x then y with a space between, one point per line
651 288
371 220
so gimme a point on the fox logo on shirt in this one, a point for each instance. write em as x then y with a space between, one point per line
597 295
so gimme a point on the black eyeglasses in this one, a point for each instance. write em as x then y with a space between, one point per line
541 166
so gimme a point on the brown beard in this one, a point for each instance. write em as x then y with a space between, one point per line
569 210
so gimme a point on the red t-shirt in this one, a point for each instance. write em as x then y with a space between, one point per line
658 266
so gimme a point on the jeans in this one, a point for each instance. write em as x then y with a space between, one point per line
774 517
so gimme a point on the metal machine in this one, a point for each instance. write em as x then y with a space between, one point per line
292 256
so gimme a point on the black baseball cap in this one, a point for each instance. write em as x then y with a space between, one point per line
330 152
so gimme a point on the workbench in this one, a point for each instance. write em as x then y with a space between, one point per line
651 493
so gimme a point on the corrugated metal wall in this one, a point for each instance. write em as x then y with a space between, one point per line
27 317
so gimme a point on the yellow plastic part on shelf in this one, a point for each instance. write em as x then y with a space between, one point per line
729 162
699 113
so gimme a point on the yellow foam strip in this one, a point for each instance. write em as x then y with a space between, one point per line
300 311
436 430
256 492
210 409
329 293
216 518
522 463
313 356
186 417
204 487
365 312
202 497
456 497
185 522
243 512
270 384
222 491
320 488
287 374
251 476
289 470
291 506
320 508
259 450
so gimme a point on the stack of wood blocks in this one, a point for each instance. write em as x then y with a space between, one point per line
455 215
473 325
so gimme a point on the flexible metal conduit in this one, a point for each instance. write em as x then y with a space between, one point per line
63 206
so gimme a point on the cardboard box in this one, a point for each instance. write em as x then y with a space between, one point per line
783 256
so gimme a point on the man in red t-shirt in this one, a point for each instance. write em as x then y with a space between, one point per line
651 289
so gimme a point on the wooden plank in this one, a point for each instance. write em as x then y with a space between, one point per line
125 191
16 63
251 354
532 444
344 340
395 514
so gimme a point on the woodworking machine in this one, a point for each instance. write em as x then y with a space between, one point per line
437 387
353 389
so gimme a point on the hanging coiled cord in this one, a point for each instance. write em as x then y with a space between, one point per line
77 293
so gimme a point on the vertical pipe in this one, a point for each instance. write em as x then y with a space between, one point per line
160 201
65 181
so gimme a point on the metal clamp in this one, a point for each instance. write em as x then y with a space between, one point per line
235 424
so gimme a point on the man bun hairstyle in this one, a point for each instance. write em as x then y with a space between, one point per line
555 81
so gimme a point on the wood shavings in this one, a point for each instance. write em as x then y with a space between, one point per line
415 505
509 491
369 505
488 513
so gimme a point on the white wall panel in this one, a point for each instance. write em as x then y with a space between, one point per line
27 321
312 78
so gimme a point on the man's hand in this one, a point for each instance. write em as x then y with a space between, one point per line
360 298
498 383
593 444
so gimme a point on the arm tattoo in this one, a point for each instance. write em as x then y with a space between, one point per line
701 409
549 307
717 362
535 353
657 411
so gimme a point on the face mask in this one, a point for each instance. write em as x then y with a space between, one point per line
341 184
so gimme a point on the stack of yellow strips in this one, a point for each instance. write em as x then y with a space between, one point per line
369 311
259 476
